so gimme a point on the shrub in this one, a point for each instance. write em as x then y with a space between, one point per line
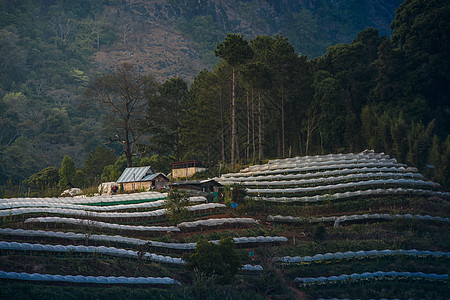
220 260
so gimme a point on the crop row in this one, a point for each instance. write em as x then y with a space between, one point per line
98 200
243 241
337 256
379 275
337 220
88 279
345 195
208 223
398 171
93 214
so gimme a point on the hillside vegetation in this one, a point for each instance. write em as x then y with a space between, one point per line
51 50
382 236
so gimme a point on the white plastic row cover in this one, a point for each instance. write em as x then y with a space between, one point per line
336 196
97 199
83 222
315 163
400 171
89 249
64 203
340 219
216 222
338 156
345 186
127 240
252 268
88 279
358 254
24 203
367 275
315 168
326 180
91 214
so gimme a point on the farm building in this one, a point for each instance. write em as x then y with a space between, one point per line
138 178
207 186
185 169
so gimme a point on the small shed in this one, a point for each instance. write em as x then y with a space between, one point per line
207 185
185 169
138 178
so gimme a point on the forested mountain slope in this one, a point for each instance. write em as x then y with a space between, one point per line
50 50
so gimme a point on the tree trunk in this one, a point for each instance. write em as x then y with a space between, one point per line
223 127
279 144
260 154
283 149
253 130
127 149
233 122
247 148
300 143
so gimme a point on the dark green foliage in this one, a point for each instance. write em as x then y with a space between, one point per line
80 180
67 173
319 232
176 205
420 33
238 193
234 49
164 115
44 179
159 163
96 161
220 260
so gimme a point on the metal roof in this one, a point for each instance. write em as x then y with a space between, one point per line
135 174
153 176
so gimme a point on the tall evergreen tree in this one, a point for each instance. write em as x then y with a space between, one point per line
236 51
67 172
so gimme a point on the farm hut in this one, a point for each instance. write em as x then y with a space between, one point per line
197 186
185 169
139 178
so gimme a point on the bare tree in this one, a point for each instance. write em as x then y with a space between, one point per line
122 96
311 125
40 85
61 97
61 27
125 30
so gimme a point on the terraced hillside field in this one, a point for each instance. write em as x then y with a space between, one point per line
333 226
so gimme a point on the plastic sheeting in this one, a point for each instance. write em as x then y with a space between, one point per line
367 275
315 168
130 241
399 171
99 200
50 202
20 204
217 222
344 195
88 279
252 268
111 251
334 157
91 214
91 223
340 219
382 182
327 180
316 163
359 254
